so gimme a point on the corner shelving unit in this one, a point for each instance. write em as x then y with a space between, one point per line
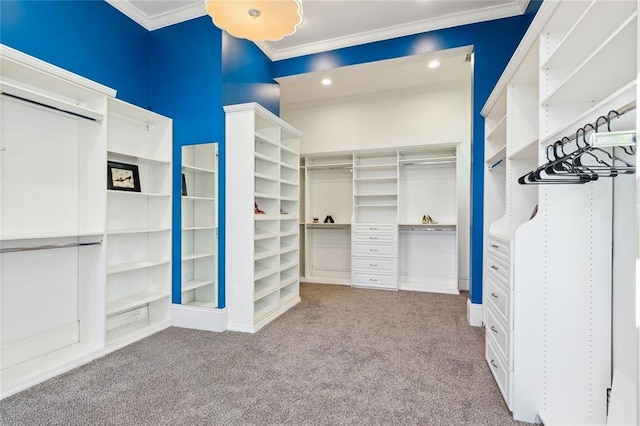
262 208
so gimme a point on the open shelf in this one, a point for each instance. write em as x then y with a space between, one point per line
132 266
133 301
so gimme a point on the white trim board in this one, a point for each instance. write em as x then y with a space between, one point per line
475 314
198 317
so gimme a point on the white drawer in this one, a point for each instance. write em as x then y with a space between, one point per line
383 250
134 318
374 228
499 297
374 238
499 371
496 331
499 247
361 279
374 265
499 269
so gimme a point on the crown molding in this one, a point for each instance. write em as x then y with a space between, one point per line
159 21
486 14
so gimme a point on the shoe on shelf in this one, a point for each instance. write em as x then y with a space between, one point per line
431 221
326 219
256 210
424 219
331 219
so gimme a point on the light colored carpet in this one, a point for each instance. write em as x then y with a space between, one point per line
342 356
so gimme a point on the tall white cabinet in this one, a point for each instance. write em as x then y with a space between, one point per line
262 207
83 269
377 199
550 250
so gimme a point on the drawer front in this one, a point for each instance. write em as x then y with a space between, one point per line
374 265
374 250
499 248
363 279
499 371
496 331
374 238
134 316
499 269
499 297
374 228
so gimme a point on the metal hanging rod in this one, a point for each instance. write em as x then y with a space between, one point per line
48 247
34 102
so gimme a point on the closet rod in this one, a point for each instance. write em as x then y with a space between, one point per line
50 107
620 112
48 247
426 163
431 229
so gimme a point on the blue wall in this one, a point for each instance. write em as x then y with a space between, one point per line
89 38
185 83
494 43
246 75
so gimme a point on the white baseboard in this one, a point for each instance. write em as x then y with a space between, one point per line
254 328
325 280
199 318
475 314
433 287
463 283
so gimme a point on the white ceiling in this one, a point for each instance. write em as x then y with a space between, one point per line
304 90
332 24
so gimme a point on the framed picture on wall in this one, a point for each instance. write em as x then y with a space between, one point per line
123 177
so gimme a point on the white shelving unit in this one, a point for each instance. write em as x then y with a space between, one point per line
138 225
84 270
262 269
553 289
52 164
385 192
199 225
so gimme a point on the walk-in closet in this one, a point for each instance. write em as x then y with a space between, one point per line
385 175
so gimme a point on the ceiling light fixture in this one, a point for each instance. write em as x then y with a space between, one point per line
326 82
434 64
257 20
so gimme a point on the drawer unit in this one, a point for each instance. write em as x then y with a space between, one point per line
373 264
362 279
499 371
498 296
499 248
374 256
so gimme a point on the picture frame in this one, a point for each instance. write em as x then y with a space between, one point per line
184 186
123 177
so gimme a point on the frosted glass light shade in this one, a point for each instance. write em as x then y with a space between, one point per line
274 19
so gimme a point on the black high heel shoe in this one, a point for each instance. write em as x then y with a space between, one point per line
326 219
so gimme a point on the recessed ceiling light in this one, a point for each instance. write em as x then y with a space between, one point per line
434 64
326 82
